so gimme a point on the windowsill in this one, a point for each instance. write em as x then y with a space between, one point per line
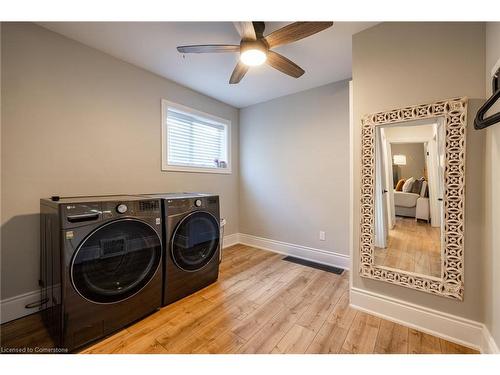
179 168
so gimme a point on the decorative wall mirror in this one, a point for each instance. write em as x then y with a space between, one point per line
413 197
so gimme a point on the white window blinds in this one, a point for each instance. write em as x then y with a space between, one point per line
194 141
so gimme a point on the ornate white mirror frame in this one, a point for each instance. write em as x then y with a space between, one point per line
451 282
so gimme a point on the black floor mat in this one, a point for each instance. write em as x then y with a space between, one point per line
318 266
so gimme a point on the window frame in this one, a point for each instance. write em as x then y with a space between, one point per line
165 166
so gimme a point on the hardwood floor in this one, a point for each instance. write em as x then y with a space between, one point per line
412 246
262 304
27 332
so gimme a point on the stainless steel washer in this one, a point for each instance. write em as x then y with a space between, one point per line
101 265
191 242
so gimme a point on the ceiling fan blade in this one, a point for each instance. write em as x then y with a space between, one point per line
209 48
246 30
295 31
238 73
284 65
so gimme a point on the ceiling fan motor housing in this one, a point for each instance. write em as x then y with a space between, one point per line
259 44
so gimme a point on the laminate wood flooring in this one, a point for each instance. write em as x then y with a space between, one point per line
412 246
260 304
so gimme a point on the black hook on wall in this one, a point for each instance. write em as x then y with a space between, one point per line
480 122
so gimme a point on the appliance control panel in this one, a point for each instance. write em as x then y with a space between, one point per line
186 203
176 206
79 214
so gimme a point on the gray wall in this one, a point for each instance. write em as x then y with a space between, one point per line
491 197
415 159
400 64
76 121
294 166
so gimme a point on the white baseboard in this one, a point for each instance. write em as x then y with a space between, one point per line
446 326
14 307
298 251
230 240
489 346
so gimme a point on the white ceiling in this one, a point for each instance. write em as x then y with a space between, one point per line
326 57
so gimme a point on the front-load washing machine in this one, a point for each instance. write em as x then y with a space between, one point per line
191 243
100 265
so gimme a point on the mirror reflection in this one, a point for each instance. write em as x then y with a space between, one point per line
409 188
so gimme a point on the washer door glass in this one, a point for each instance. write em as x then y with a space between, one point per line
116 261
195 241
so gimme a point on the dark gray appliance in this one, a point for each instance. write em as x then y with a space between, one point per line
191 242
100 265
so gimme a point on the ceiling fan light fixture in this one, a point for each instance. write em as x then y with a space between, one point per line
253 57
256 49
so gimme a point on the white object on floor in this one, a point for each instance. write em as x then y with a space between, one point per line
422 211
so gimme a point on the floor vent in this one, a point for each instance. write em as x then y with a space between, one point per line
318 266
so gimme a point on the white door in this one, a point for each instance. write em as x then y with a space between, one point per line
381 230
389 179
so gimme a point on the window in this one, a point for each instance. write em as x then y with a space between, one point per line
193 141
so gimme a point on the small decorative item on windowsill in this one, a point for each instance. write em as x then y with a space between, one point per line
220 163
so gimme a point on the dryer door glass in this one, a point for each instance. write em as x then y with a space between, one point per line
195 241
116 261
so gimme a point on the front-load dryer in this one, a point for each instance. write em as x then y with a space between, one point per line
191 242
101 263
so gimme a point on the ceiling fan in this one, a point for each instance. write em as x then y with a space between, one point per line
255 48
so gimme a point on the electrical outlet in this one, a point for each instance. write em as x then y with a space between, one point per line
321 235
